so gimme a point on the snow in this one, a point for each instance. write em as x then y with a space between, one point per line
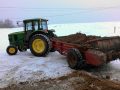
26 67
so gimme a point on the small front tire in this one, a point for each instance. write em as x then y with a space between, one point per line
11 50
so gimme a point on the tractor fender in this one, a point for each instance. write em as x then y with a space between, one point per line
33 34
37 32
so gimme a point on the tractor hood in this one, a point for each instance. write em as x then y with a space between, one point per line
16 33
16 37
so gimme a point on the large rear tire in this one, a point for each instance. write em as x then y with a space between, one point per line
11 50
39 45
75 59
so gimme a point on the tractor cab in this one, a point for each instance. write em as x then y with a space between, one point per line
35 24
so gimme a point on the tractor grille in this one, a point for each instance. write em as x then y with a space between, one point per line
12 39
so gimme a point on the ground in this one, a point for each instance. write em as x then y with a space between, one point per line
27 72
77 80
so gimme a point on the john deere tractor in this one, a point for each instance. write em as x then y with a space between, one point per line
35 37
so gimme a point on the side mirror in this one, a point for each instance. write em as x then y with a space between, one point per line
19 23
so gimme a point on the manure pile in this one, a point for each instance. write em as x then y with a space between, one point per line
77 38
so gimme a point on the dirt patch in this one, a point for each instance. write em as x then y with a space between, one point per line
78 80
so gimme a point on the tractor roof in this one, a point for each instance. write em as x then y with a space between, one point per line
35 19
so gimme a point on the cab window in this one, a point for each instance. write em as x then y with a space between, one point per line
36 25
44 25
29 26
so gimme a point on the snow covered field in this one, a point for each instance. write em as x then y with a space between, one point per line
100 29
26 67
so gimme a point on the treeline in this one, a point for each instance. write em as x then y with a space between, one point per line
7 23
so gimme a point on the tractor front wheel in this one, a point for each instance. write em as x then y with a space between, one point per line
11 50
39 45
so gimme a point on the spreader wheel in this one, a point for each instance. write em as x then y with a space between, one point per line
11 50
75 59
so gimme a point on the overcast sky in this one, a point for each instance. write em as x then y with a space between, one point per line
61 11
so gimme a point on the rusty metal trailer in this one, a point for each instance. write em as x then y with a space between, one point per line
95 52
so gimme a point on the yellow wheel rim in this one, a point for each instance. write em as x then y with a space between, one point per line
11 50
38 45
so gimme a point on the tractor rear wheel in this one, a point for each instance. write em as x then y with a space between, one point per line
11 50
75 59
39 45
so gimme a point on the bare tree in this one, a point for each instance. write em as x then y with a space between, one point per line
1 24
6 24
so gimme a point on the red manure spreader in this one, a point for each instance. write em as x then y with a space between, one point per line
96 51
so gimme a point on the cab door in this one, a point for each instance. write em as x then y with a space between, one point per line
28 30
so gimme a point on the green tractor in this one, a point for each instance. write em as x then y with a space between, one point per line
35 37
